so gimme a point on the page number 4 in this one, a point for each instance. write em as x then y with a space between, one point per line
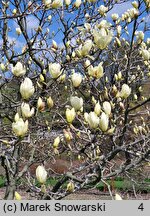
141 207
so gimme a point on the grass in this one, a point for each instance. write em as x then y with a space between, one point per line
119 184
127 185
2 181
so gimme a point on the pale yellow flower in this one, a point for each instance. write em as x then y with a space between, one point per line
41 174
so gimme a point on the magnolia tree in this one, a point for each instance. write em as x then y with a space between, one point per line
72 76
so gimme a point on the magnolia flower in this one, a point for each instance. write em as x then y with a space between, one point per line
145 54
103 122
20 127
86 47
77 3
107 107
97 71
93 120
114 16
41 174
57 3
25 109
47 3
103 24
67 2
135 4
118 197
55 70
125 91
50 102
91 1
102 38
76 102
70 115
97 108
139 36
76 79
18 69
102 10
27 88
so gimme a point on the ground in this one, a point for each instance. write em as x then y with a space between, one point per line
91 194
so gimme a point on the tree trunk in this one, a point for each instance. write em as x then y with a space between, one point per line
10 190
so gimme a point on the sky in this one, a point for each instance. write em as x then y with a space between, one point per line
33 23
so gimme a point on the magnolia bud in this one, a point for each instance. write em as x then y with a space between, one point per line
119 76
119 28
41 174
77 3
70 187
50 102
70 115
40 104
56 142
67 2
57 3
114 16
18 31
93 120
2 67
145 54
49 18
97 108
26 112
17 196
76 79
118 197
135 97
41 78
135 4
67 135
14 11
103 122
54 44
107 107
125 91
